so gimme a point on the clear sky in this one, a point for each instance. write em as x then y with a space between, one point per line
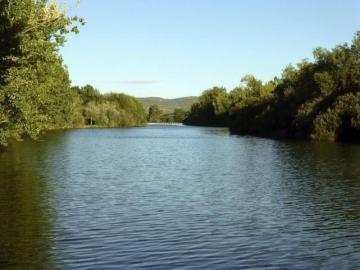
175 48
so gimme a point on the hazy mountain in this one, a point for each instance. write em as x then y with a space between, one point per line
168 105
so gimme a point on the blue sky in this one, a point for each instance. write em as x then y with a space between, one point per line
175 48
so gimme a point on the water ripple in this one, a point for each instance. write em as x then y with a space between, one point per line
178 198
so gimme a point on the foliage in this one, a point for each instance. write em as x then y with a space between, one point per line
35 92
154 114
34 84
340 121
168 105
317 100
179 115
211 109
109 110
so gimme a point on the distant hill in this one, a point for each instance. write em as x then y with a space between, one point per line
168 105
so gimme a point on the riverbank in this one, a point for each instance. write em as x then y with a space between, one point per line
315 100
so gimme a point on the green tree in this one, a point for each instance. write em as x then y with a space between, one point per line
313 100
110 110
35 89
179 115
316 100
211 109
88 93
154 114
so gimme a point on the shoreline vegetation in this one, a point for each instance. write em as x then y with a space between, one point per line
35 89
316 100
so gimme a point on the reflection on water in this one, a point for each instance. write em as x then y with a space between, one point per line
178 197
25 212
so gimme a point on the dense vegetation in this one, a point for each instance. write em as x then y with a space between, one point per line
168 105
35 92
156 115
317 100
106 110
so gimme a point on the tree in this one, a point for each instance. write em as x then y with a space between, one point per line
88 93
312 100
111 110
34 84
154 114
211 109
179 115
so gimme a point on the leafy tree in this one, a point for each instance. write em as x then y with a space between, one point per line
110 110
179 115
154 114
316 100
211 109
34 84
167 118
88 93
252 86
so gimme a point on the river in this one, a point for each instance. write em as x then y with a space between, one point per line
178 197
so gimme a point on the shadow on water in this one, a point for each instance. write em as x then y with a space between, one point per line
319 194
323 174
26 211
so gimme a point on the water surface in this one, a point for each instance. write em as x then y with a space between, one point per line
172 197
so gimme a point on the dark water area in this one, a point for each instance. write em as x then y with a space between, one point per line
172 197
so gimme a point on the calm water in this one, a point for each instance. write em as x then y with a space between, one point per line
178 198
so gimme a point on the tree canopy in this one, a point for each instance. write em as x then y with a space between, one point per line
317 100
35 89
34 84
